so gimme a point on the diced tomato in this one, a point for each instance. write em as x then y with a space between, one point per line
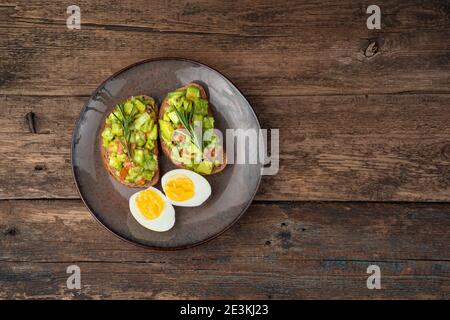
123 173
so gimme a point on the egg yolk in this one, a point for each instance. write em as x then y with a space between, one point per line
179 188
150 204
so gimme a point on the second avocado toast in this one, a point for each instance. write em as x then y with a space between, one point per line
179 110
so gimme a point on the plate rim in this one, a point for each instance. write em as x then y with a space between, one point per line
76 127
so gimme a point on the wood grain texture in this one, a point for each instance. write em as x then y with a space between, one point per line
367 148
301 250
265 47
363 116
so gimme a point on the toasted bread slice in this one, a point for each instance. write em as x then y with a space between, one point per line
166 149
105 153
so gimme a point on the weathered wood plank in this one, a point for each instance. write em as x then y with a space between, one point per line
300 250
265 47
378 147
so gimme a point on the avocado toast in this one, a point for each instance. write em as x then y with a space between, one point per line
129 142
180 112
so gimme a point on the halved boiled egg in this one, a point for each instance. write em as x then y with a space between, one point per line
152 210
185 188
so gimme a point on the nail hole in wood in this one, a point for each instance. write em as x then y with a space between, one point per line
11 231
40 167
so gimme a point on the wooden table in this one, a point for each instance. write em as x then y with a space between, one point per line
365 148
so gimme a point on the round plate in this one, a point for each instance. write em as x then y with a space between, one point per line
232 190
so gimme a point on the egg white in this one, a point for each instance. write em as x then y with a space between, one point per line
202 188
164 222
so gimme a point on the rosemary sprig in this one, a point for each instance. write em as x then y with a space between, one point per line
185 118
126 122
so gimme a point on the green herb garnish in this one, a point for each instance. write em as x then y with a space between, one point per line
185 118
126 122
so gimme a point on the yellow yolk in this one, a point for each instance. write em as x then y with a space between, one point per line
150 204
179 188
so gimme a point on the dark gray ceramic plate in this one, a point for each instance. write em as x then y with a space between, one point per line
232 190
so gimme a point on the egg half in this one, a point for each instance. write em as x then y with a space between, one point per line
152 210
185 188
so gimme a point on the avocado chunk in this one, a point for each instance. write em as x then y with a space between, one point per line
205 167
107 134
208 123
197 117
166 131
139 105
175 95
192 92
128 107
116 129
201 106
144 118
138 157
153 134
173 116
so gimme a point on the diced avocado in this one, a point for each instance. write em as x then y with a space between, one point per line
148 175
201 106
147 100
150 144
179 104
174 96
138 157
148 126
141 120
204 167
166 131
150 163
128 107
116 129
192 92
166 117
187 105
197 117
153 134
107 134
139 139
173 116
178 93
115 162
208 123
121 157
139 105
133 174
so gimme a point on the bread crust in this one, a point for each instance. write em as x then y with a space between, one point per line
166 149
105 153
